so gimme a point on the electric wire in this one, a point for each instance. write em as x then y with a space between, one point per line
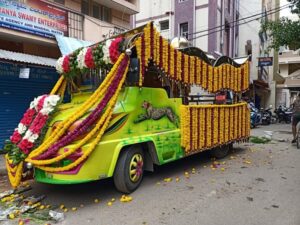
244 18
224 28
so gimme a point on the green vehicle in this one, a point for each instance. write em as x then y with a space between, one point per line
150 123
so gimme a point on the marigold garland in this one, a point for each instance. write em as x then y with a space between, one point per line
202 124
103 123
221 122
14 172
204 75
206 126
192 70
189 69
198 71
216 80
64 125
216 129
57 85
210 79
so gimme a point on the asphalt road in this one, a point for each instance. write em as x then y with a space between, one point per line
256 184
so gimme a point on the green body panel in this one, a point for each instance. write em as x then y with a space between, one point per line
124 130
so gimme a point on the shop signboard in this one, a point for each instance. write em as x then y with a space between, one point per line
265 61
34 17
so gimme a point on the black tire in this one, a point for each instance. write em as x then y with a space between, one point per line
122 179
220 152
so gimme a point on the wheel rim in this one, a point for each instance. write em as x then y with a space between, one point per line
136 167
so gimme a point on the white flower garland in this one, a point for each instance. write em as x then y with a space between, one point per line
33 104
59 64
105 50
80 59
48 106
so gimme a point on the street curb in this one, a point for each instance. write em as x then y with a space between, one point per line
2 165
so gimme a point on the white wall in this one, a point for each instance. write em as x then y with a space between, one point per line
156 9
151 8
250 31
284 70
201 2
283 97
201 24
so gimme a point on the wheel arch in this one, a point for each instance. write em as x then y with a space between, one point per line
148 148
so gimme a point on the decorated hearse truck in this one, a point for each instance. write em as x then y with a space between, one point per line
130 108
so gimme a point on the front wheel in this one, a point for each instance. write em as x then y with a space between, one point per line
129 170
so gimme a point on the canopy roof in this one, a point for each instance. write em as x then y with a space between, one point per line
26 58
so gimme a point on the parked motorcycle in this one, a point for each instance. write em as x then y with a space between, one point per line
255 116
284 114
266 116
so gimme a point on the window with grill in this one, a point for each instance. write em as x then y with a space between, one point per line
97 11
85 7
184 30
182 1
106 14
164 25
75 25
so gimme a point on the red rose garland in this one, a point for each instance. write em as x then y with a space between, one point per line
88 59
26 120
66 64
28 116
33 121
16 137
114 49
25 145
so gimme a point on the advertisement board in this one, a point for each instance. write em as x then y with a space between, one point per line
34 17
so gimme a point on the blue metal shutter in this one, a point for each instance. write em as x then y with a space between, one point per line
15 97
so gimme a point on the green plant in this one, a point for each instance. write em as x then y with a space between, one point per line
284 32
259 140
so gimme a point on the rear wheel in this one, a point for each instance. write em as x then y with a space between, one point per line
129 170
220 152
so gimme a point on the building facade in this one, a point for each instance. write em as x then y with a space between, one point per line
29 47
29 26
206 24
254 42
289 69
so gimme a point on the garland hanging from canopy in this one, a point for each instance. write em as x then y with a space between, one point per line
190 70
